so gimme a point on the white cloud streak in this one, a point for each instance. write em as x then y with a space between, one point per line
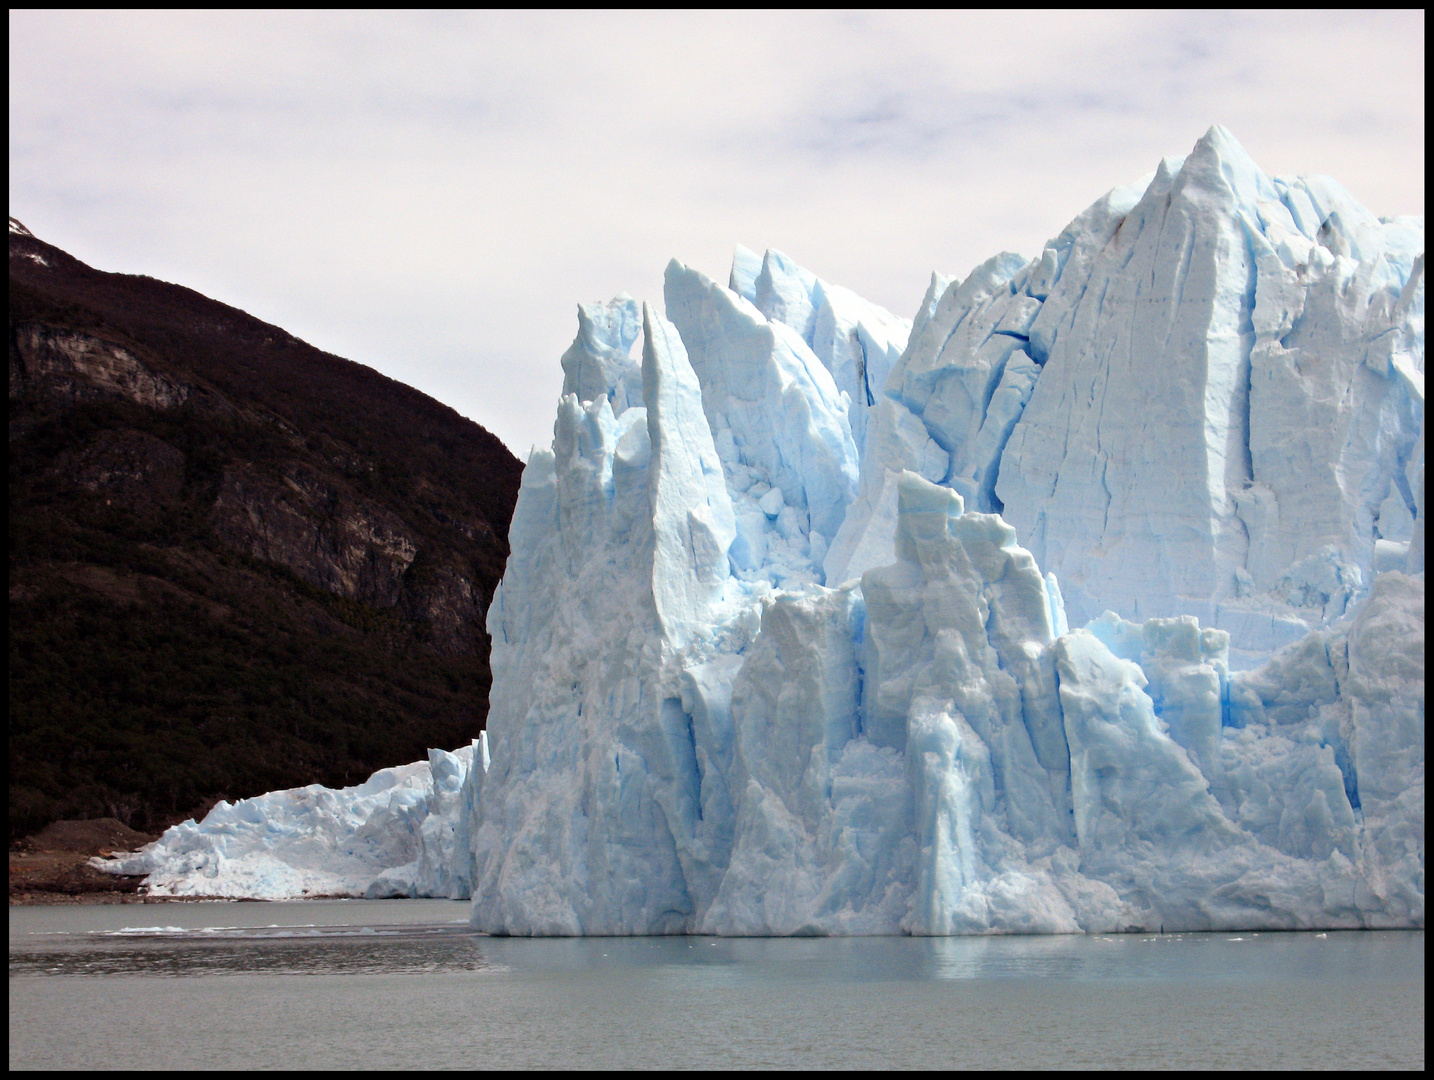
431 193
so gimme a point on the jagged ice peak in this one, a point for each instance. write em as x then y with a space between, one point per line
810 624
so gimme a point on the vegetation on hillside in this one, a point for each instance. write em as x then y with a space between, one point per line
155 664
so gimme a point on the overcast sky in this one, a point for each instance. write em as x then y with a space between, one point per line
431 194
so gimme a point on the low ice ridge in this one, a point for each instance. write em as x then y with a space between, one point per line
808 623
393 835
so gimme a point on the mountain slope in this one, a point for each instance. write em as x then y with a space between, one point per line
237 563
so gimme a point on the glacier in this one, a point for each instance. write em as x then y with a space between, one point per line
395 835
1090 599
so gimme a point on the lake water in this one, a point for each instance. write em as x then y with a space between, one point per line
395 984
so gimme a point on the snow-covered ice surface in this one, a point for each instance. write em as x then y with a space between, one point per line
809 622
393 835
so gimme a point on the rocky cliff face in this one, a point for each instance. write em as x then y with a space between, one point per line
72 367
237 563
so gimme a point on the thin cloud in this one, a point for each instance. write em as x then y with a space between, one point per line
432 193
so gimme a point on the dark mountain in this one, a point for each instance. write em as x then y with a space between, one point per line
237 563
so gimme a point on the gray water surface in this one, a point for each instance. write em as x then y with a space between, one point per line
404 984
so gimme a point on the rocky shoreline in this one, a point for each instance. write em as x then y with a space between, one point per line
52 866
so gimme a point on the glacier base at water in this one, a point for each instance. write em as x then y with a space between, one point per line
808 626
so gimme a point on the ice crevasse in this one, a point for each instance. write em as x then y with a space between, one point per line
809 625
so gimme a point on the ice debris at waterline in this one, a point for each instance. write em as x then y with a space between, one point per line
784 645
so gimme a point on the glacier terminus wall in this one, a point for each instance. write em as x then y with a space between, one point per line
1091 599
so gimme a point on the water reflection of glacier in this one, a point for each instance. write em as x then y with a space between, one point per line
421 988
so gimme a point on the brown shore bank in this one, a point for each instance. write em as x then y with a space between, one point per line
52 866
